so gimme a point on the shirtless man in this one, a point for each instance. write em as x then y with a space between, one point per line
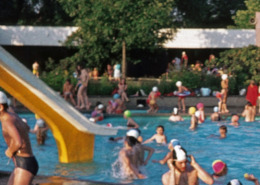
68 92
82 91
126 158
249 112
159 137
184 172
15 133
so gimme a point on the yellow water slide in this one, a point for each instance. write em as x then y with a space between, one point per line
73 132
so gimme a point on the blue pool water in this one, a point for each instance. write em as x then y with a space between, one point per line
240 150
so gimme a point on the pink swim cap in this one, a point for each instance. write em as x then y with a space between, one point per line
200 105
109 125
218 166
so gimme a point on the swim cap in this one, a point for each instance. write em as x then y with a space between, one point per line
218 166
3 98
92 119
180 154
116 96
100 106
133 133
175 142
127 114
234 182
109 125
224 76
178 84
215 109
192 110
200 105
197 114
155 89
175 110
235 118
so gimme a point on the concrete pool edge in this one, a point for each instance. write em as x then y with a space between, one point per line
53 180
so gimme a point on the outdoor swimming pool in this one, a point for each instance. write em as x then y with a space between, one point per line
240 150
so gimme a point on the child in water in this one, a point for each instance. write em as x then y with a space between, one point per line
201 118
175 116
194 120
159 137
234 120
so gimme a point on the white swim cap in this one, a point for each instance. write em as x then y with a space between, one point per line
100 106
175 110
155 89
215 109
178 83
3 98
180 154
235 182
197 114
92 119
175 142
133 133
224 76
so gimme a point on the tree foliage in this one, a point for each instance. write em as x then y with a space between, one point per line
242 17
206 13
33 12
105 24
243 64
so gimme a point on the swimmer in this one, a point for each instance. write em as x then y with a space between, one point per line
120 105
201 118
194 120
127 161
159 137
181 99
219 168
151 101
171 145
175 116
234 120
130 122
251 177
215 116
224 91
222 131
139 149
15 133
97 114
68 92
40 129
249 112
183 171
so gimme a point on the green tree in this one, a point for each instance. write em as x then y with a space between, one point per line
104 25
33 12
242 17
243 64
206 13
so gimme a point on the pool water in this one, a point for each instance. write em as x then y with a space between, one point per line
240 150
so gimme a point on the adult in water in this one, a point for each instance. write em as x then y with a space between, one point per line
15 133
184 172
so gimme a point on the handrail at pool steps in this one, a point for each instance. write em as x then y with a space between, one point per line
73 132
